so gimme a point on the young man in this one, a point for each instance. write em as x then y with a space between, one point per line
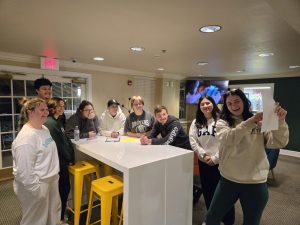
43 88
170 129
112 120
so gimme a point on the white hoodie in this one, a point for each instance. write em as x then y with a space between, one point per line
108 124
204 141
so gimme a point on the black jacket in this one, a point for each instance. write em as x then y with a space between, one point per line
64 145
85 125
172 133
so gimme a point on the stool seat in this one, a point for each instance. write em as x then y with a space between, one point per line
110 184
81 170
108 188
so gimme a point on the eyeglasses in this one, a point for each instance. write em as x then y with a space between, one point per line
88 110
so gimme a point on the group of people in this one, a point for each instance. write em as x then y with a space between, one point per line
229 145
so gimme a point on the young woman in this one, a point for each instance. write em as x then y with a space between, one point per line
139 122
243 162
56 107
204 142
86 120
36 167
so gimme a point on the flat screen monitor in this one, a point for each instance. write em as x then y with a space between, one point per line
197 88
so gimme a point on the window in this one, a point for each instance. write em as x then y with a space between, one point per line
13 88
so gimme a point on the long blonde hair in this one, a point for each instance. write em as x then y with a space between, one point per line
28 105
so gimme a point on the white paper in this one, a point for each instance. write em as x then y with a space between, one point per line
270 119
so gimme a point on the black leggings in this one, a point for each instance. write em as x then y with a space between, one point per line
64 188
210 176
253 199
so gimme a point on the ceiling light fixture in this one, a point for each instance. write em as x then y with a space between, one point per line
202 63
266 54
240 71
98 58
293 67
160 69
210 28
137 49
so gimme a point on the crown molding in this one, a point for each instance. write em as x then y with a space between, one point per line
8 56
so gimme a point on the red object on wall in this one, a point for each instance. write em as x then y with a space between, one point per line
129 82
49 63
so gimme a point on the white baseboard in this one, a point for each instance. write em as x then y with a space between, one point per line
289 153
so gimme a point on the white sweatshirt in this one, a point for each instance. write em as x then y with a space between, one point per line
242 149
204 141
35 157
108 124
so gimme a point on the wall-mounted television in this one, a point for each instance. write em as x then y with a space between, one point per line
197 88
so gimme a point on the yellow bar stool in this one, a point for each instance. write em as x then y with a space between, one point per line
107 188
80 170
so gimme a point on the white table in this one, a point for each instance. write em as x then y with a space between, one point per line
158 179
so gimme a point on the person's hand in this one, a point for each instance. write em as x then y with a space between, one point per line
281 113
208 160
92 114
138 135
257 117
114 134
92 134
145 140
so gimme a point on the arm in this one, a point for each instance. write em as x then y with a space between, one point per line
123 119
196 146
278 138
65 149
103 129
70 125
155 131
170 137
229 136
25 159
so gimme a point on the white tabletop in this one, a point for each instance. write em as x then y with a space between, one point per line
126 155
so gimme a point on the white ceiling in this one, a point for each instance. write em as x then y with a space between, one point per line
85 29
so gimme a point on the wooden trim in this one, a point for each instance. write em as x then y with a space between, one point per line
6 174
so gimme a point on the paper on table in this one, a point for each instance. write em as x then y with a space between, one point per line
270 119
130 139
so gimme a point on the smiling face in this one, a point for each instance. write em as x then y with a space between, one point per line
235 105
44 92
60 108
162 116
88 112
138 107
39 115
206 107
113 110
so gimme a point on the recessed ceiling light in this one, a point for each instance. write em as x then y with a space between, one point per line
240 71
293 67
202 63
200 75
137 49
210 28
98 58
266 54
160 69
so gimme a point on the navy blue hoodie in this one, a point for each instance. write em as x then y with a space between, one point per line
172 133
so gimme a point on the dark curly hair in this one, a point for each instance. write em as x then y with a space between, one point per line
226 114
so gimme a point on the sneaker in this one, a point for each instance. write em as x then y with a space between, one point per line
203 223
